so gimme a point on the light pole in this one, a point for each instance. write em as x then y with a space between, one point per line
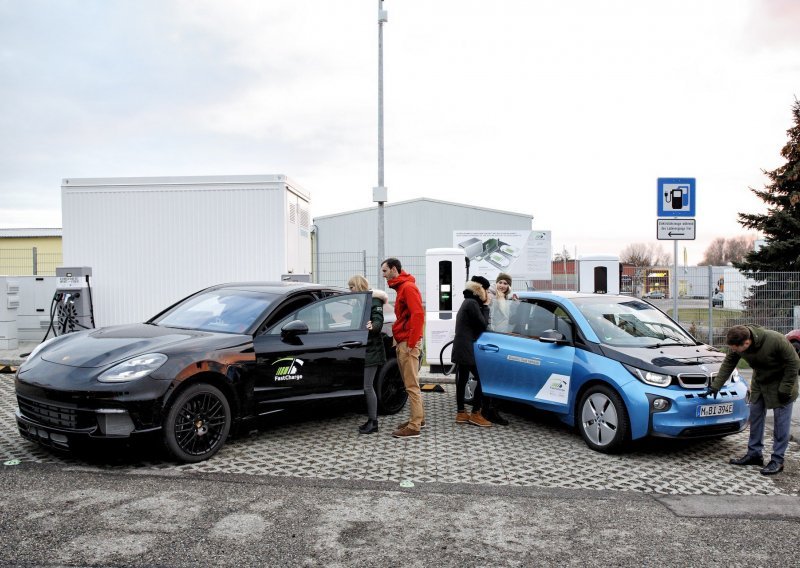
379 193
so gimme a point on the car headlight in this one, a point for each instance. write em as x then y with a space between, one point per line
649 377
134 368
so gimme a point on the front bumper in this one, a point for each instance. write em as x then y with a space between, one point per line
681 419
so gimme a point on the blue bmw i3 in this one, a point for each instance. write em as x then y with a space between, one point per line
616 367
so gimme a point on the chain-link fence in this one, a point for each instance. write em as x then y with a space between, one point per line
28 262
711 299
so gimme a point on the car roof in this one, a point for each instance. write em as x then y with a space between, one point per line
567 295
275 287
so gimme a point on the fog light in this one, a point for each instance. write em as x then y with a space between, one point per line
660 404
114 422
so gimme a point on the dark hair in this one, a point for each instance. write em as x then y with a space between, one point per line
737 335
392 262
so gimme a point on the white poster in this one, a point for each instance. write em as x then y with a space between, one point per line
556 389
524 255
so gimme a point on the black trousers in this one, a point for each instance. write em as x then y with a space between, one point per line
462 376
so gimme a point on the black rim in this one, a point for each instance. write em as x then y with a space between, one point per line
393 391
199 424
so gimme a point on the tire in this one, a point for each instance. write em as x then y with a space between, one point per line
602 419
796 345
469 389
390 388
197 423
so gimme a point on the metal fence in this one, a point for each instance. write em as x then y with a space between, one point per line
28 262
710 299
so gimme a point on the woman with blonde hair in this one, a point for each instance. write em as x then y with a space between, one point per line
376 355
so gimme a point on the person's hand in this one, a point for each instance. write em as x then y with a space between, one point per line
369 325
784 398
710 391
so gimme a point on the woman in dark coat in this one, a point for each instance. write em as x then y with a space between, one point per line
376 355
472 320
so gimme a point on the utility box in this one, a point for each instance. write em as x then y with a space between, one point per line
153 241
9 304
599 274
35 302
445 275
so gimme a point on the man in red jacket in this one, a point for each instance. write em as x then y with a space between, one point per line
407 332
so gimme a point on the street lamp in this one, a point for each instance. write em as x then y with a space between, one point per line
379 193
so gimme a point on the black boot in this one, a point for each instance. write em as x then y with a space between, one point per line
369 427
490 413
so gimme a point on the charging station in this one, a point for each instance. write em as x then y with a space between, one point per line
599 274
71 309
445 275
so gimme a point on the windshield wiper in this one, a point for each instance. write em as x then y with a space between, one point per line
676 344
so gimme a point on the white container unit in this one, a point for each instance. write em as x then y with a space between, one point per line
153 241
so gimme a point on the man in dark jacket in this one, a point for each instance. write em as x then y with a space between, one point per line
775 366
407 333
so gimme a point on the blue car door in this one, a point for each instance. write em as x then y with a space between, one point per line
520 366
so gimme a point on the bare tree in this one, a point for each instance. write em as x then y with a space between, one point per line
722 251
644 255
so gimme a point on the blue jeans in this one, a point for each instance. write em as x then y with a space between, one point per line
783 422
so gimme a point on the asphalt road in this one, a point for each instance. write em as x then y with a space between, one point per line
65 516
312 492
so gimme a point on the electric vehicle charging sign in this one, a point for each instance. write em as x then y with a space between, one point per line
676 197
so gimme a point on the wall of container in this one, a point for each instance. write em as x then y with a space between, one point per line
152 241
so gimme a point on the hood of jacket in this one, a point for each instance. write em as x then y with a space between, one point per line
401 279
380 295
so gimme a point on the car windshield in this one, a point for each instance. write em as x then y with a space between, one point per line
631 323
225 310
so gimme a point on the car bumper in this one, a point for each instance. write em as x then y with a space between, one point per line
60 417
681 418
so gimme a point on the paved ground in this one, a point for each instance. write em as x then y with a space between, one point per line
312 492
533 451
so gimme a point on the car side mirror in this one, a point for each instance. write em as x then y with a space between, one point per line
551 336
293 329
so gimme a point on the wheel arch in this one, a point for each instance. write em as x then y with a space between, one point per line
215 379
634 429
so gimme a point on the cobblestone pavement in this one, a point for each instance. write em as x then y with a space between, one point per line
534 450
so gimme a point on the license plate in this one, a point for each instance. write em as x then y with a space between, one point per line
715 410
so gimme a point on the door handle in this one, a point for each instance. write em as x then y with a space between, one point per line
349 344
489 347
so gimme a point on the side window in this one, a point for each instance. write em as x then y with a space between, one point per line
534 318
290 306
337 313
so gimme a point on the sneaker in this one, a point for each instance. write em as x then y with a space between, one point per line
405 425
462 417
405 433
478 420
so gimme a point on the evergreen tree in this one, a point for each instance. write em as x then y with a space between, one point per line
780 226
776 265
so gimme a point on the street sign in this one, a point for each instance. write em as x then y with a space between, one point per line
675 229
676 197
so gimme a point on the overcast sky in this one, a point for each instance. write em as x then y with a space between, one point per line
568 111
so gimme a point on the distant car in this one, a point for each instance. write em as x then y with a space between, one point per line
718 299
615 367
794 338
654 295
227 355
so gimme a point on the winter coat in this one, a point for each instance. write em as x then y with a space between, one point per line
376 353
408 310
775 366
471 320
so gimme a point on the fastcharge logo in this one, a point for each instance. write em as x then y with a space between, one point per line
288 369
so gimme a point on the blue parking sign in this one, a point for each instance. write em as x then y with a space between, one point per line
676 197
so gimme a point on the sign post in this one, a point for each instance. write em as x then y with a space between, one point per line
676 200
